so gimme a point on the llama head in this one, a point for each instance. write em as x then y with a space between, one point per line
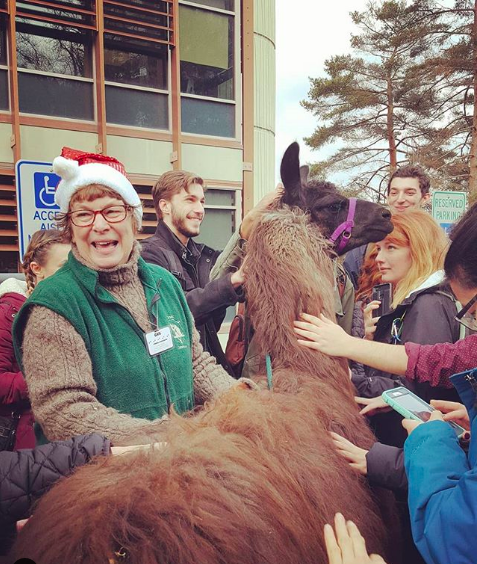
327 207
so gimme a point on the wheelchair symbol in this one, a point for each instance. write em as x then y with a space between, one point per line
45 186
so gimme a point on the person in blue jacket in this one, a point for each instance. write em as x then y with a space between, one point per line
443 483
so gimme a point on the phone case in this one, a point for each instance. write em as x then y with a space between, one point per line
399 408
460 431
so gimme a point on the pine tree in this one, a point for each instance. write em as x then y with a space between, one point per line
406 94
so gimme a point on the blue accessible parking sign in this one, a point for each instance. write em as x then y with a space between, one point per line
45 184
36 185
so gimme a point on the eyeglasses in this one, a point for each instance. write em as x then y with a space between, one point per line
112 214
466 318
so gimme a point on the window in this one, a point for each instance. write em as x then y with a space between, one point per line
222 4
207 48
52 96
4 103
136 108
207 68
208 117
220 220
137 63
61 53
141 67
54 53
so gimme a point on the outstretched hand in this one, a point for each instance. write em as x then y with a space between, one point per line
237 278
372 406
348 545
453 411
355 455
411 424
321 334
117 451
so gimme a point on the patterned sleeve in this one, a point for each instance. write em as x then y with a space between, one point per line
437 363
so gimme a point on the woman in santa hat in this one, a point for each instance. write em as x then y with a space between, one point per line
108 343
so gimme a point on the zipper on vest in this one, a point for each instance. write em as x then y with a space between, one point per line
166 390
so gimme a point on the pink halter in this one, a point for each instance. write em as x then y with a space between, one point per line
343 231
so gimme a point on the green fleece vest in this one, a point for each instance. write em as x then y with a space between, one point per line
127 377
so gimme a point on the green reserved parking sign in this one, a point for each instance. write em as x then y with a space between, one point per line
448 207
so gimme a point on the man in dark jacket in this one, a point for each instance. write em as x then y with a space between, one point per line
178 198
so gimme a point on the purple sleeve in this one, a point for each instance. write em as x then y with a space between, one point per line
437 363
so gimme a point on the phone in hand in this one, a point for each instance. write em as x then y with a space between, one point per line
411 406
382 293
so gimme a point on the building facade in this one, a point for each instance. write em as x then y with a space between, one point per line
158 84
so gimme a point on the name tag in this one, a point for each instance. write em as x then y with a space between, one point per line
159 341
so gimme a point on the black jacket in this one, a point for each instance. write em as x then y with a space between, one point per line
429 318
385 466
27 474
353 262
191 265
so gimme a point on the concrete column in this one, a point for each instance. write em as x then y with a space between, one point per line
264 98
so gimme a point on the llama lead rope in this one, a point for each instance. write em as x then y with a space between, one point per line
268 363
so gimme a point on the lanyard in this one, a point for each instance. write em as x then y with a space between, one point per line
154 301
151 318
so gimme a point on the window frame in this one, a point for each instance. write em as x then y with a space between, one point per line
237 100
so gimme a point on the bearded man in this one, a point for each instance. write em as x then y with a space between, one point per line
179 201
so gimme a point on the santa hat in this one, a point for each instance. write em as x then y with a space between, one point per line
78 169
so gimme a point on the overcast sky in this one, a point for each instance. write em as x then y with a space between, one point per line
308 32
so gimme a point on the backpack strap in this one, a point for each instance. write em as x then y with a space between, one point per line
174 264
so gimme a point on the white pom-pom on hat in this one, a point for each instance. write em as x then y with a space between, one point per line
75 176
65 168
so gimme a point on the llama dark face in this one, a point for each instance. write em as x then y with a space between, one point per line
327 207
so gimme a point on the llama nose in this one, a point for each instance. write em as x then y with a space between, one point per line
386 214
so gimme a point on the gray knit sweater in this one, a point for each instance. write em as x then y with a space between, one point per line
59 373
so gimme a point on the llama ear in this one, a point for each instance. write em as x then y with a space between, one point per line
290 173
304 172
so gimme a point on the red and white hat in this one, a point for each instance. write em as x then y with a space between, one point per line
78 169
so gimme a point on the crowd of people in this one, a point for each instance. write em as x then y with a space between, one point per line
108 334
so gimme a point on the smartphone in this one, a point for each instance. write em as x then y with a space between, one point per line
383 293
411 406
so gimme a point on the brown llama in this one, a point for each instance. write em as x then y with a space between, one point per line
251 478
